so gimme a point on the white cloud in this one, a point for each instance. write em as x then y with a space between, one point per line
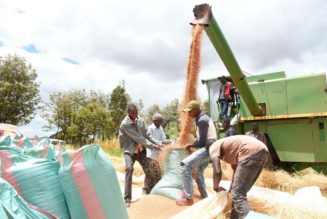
146 43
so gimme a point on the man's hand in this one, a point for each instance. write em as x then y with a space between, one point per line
219 189
188 148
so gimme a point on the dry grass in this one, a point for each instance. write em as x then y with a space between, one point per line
280 180
111 146
283 181
119 165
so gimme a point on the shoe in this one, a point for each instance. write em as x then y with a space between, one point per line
184 202
127 204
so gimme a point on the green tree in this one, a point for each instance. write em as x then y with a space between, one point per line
62 105
117 108
19 91
89 121
171 110
171 114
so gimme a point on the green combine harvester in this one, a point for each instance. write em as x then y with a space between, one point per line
291 112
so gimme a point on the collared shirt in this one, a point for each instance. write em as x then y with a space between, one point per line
132 133
259 135
237 148
157 134
206 131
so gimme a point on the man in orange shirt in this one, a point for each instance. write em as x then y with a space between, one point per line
247 157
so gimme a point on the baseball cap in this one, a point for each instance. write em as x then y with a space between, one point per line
194 104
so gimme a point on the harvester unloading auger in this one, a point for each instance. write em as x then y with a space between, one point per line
292 112
203 15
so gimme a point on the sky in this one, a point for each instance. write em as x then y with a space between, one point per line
94 45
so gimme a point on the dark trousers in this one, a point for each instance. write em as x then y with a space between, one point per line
246 174
145 163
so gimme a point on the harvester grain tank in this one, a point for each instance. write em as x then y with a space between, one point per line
291 112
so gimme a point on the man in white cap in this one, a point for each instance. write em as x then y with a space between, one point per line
156 132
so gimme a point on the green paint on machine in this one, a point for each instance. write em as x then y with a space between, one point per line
291 111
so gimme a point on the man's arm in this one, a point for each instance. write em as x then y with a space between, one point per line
137 137
203 127
216 174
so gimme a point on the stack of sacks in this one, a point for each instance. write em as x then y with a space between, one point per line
90 184
36 180
42 149
22 143
171 183
13 206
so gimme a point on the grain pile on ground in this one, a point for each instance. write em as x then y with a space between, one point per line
154 206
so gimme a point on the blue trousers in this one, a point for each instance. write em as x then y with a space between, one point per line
223 108
198 160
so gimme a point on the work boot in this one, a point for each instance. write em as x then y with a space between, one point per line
184 202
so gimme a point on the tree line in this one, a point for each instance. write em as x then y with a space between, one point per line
76 116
